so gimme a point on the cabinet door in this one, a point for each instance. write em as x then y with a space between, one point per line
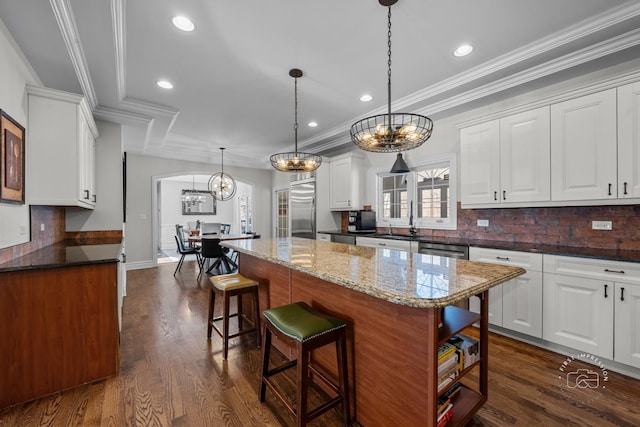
578 313
86 166
342 185
480 163
627 324
629 141
403 245
522 304
525 157
495 305
584 148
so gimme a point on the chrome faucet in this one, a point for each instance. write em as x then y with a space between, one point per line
412 229
390 229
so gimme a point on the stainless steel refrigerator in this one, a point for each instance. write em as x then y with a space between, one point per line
302 199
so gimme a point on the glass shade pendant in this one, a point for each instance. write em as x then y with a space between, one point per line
296 161
391 132
222 186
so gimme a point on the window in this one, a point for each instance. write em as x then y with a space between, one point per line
428 193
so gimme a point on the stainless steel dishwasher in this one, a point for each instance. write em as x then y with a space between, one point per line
343 238
444 249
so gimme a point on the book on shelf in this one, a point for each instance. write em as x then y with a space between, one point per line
468 349
446 364
445 349
449 394
445 416
448 377
442 404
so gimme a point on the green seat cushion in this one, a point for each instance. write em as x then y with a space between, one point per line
301 322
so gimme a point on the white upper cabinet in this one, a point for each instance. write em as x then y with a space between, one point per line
346 182
480 163
506 160
583 148
61 149
629 141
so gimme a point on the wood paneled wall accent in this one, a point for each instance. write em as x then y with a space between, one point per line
54 220
564 226
58 329
95 237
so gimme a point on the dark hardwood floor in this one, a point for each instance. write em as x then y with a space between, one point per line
173 376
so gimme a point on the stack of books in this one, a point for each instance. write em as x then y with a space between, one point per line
445 405
448 364
467 348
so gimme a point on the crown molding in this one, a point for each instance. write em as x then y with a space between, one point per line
121 116
66 21
119 37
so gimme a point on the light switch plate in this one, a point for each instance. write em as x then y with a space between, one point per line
601 225
483 223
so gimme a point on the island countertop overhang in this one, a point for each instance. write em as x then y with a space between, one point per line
410 279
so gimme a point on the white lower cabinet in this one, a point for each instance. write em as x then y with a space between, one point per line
403 245
517 304
323 236
627 324
594 306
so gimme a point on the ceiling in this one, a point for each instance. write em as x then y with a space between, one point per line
231 83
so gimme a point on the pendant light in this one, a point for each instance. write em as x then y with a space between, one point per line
222 186
399 166
386 133
296 161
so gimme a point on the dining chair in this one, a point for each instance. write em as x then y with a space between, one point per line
211 249
225 228
187 251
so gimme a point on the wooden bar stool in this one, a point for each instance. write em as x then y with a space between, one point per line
307 329
233 285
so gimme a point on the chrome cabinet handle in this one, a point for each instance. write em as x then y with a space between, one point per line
605 291
614 271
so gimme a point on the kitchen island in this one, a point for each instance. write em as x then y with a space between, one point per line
393 302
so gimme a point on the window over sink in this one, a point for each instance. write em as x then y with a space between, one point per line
428 191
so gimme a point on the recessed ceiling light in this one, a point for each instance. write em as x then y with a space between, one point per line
312 124
463 50
183 23
366 98
164 84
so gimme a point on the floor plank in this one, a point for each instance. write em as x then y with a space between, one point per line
171 375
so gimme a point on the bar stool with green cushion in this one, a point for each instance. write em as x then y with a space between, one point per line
300 325
233 285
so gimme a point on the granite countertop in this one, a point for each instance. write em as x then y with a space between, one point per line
414 280
575 251
65 254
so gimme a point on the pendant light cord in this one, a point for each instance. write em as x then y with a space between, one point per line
389 64
295 103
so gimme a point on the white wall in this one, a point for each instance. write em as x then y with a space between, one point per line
15 72
107 214
141 172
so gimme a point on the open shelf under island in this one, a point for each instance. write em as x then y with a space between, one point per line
399 307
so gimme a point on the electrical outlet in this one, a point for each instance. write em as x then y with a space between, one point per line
483 223
41 226
601 225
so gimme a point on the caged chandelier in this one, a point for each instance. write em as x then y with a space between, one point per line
222 186
192 197
296 161
391 132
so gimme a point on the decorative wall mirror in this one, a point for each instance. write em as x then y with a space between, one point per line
196 202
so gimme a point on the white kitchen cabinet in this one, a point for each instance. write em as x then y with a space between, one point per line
584 148
583 296
347 183
323 236
403 245
506 160
61 149
629 141
516 304
627 324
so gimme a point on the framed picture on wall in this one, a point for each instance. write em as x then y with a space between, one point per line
11 160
